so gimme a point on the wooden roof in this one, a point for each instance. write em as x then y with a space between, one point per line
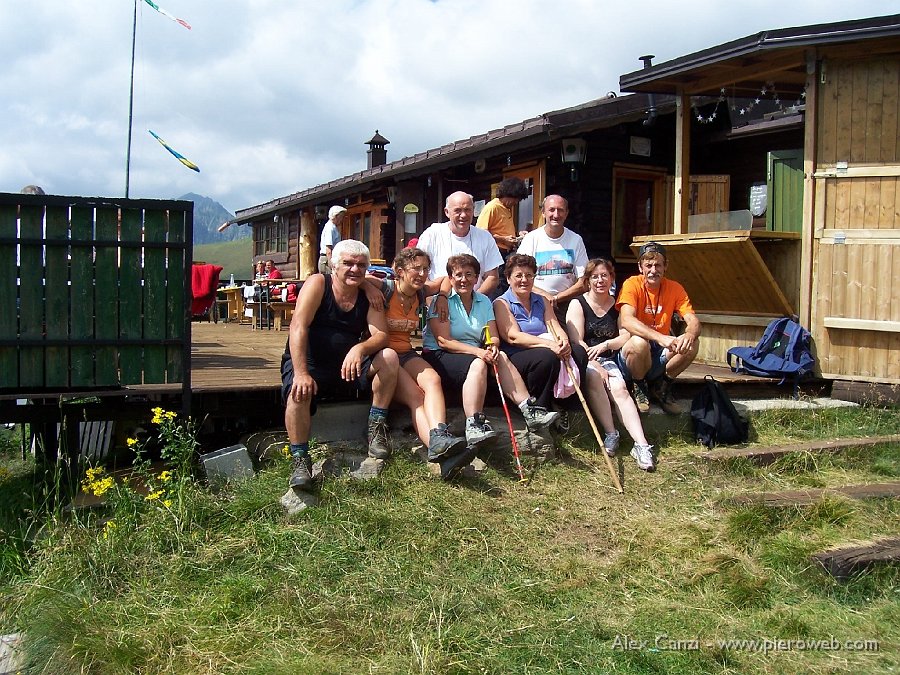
741 65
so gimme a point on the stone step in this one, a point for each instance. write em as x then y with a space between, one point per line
346 421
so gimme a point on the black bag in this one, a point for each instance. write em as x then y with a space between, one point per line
714 417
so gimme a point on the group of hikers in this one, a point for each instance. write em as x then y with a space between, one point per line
553 326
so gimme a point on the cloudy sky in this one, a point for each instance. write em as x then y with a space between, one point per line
272 96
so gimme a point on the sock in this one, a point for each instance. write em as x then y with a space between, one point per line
299 449
524 405
378 414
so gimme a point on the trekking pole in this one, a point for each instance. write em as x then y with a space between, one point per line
512 433
587 412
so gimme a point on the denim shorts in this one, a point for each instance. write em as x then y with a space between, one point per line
658 358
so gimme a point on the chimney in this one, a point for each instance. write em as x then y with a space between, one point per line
377 154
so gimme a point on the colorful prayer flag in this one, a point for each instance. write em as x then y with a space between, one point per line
181 158
165 13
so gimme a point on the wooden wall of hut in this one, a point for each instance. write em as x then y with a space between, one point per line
856 245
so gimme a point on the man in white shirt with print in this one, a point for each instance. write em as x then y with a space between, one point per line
560 254
443 240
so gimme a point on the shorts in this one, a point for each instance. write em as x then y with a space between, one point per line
406 357
658 358
611 366
329 384
452 368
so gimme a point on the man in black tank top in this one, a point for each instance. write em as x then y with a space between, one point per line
326 354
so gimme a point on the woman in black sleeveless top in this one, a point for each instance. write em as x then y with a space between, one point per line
593 322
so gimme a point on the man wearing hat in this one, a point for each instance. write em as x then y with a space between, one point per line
330 236
652 358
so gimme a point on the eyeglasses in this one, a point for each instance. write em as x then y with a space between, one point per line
464 276
522 277
600 277
351 265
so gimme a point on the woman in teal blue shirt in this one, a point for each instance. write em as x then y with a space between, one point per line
455 349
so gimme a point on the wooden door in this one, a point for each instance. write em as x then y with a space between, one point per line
784 187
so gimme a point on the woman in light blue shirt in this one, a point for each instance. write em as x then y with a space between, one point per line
456 350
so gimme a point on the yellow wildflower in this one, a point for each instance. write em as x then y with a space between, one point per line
131 442
154 495
101 487
286 451
165 476
167 503
109 527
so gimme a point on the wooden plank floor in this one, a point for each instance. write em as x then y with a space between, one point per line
231 356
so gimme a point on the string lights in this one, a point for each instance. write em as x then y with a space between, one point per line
766 91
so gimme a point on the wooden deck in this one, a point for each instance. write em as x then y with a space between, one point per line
233 357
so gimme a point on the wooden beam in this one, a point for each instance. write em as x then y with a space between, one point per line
808 215
735 319
768 453
861 324
814 495
859 171
843 562
682 163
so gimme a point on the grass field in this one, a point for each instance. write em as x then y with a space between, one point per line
233 256
405 574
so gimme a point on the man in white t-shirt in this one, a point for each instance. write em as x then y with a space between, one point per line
330 236
443 240
560 254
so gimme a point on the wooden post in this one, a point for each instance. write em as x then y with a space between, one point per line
682 163
809 221
307 245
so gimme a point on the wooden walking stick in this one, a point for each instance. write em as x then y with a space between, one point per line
587 411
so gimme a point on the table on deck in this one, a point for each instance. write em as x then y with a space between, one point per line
235 303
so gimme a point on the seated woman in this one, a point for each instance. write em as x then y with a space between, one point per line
418 385
593 322
455 351
525 326
528 331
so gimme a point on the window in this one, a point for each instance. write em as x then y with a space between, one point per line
271 237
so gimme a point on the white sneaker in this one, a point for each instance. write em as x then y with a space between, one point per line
643 455
611 443
479 430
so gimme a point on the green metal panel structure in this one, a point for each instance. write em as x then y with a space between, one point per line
95 293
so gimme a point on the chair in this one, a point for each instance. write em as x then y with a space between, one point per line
204 284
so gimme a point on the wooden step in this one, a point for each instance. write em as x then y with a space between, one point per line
766 454
843 562
811 496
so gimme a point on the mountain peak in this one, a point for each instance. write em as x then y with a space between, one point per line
208 216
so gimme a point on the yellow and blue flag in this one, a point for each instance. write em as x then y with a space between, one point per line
181 158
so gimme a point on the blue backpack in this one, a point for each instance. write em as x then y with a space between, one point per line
783 351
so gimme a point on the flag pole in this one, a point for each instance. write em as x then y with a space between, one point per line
131 102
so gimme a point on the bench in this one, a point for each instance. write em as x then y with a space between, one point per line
281 312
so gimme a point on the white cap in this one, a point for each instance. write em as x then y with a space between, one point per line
335 210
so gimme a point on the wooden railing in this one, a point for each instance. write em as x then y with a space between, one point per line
94 292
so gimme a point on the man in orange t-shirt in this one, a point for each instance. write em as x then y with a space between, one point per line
653 357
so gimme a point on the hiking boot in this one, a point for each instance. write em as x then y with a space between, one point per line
301 478
378 440
451 466
639 394
478 430
660 391
611 443
643 455
561 425
442 444
537 417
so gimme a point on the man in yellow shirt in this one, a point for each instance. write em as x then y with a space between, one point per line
497 218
